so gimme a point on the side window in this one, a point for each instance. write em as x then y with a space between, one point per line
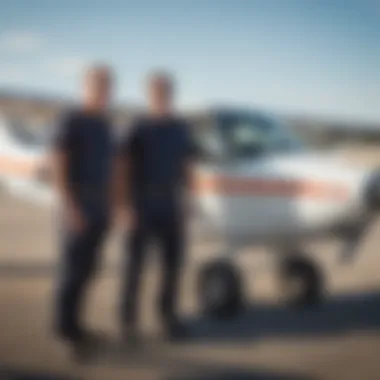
246 136
207 142
248 139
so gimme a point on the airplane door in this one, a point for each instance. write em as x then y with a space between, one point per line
253 205
255 200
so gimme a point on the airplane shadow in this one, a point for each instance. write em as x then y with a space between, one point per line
341 314
338 315
199 374
22 374
178 364
236 374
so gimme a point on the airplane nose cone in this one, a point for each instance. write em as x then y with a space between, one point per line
373 191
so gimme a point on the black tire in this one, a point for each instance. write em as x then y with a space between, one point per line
309 279
220 290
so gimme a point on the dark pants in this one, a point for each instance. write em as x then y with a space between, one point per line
165 227
80 253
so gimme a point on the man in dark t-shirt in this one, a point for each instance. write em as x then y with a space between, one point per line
154 169
82 155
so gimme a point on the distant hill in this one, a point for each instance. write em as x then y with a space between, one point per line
317 130
324 131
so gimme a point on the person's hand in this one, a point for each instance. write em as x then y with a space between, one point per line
131 218
126 218
75 218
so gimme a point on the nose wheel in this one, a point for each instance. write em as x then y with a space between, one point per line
302 282
220 290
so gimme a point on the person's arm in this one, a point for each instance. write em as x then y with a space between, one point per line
121 182
59 161
62 144
190 158
189 172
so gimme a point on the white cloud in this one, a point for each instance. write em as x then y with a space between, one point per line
20 42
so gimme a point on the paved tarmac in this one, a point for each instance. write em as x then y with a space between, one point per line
339 340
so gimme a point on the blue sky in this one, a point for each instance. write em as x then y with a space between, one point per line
313 56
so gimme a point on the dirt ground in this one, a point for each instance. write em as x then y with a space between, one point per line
339 340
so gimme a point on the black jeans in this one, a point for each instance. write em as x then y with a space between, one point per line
166 228
80 253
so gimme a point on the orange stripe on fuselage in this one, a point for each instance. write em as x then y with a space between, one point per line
250 187
16 166
218 185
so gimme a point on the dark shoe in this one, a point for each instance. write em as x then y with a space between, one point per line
130 335
87 346
177 332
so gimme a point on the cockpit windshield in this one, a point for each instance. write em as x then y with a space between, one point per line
245 135
31 135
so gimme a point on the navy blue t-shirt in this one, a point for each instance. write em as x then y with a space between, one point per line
158 149
87 140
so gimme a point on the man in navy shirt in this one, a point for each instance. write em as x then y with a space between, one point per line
82 156
153 169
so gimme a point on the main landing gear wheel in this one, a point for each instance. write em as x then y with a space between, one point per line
220 290
302 281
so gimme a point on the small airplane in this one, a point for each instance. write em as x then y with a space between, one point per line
255 183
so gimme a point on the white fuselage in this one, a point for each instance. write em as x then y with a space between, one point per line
19 163
280 197
260 200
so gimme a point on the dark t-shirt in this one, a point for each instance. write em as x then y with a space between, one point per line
87 139
158 149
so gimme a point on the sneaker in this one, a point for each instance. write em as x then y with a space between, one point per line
177 332
130 335
86 346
